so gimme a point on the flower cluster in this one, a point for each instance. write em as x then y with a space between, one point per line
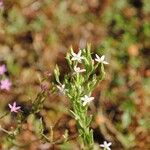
79 58
78 86
5 83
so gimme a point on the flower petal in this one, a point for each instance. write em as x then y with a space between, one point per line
105 62
97 56
79 53
101 145
73 54
84 103
109 144
9 106
14 104
103 57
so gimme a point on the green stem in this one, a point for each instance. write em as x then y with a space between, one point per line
2 129
4 115
46 138
86 135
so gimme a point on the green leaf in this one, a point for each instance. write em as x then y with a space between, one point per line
57 74
74 115
126 119
128 106
88 120
39 128
68 58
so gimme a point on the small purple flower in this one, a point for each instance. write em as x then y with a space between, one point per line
14 108
44 87
2 69
5 84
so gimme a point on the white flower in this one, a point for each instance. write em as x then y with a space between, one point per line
77 56
78 70
44 146
101 59
106 145
61 88
86 99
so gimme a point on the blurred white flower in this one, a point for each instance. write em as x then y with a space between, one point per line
77 56
101 59
78 69
106 145
44 146
61 88
86 99
13 148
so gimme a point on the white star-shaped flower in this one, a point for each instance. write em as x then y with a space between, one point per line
61 88
106 145
86 99
77 56
101 59
78 69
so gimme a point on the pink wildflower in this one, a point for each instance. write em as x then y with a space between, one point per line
2 68
44 87
1 3
13 107
5 84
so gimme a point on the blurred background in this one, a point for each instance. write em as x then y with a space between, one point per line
36 34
